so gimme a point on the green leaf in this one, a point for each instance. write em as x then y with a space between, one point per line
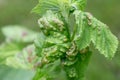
18 34
59 6
103 38
89 29
53 41
82 64
83 31
77 70
52 71
53 5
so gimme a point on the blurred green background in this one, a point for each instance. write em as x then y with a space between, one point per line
18 12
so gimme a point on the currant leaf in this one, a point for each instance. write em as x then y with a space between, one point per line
89 29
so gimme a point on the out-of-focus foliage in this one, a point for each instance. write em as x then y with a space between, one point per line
17 51
13 12
7 73
18 34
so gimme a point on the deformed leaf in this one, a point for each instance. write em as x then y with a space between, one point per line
52 43
77 70
103 38
83 31
59 6
89 29
53 5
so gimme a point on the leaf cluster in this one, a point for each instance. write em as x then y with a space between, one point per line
66 34
61 50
